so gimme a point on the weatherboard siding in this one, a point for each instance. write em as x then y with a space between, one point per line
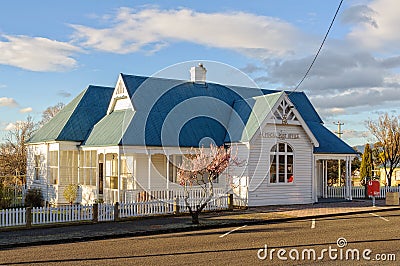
32 182
241 152
261 192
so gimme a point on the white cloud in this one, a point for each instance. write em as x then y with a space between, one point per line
356 134
10 102
10 126
339 79
26 110
64 94
357 97
383 33
37 54
359 14
152 29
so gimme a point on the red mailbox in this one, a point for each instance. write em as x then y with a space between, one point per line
373 188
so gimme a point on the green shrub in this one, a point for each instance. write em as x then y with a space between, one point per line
6 197
34 198
71 193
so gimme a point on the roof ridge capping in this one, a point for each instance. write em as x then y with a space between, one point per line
269 95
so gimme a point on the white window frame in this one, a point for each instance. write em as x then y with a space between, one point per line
276 153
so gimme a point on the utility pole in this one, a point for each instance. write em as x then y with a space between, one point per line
339 133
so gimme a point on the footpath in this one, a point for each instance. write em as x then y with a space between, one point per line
39 235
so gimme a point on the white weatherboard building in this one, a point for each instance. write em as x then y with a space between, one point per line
116 142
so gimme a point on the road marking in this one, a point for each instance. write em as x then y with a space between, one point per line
233 230
376 215
312 223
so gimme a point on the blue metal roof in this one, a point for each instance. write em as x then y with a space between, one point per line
77 118
304 106
328 142
181 113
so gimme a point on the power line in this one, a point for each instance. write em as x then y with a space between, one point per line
320 47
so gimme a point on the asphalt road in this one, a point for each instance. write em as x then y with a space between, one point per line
379 233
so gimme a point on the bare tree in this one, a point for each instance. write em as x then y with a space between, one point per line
200 171
387 132
50 112
13 151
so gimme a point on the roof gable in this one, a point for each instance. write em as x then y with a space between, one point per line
284 113
110 130
121 99
256 112
247 116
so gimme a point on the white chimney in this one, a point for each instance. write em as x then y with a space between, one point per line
198 74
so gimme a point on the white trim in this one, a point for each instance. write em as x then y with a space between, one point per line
143 149
134 172
116 96
314 141
119 177
333 156
270 118
167 157
314 180
149 171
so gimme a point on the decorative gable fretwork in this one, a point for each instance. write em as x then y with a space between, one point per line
120 88
120 99
284 112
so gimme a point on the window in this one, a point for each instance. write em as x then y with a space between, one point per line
68 167
127 172
87 170
174 163
112 171
281 164
53 166
37 167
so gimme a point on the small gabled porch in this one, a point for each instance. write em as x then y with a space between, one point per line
321 175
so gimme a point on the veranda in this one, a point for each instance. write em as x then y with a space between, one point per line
115 174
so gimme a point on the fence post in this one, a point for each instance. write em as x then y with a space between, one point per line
230 202
116 211
176 205
28 217
95 218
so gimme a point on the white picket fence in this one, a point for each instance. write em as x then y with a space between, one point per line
153 203
136 209
62 214
358 192
166 206
12 217
105 212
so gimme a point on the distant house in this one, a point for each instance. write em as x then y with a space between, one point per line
116 141
395 176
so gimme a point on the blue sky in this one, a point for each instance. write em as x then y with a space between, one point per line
52 50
